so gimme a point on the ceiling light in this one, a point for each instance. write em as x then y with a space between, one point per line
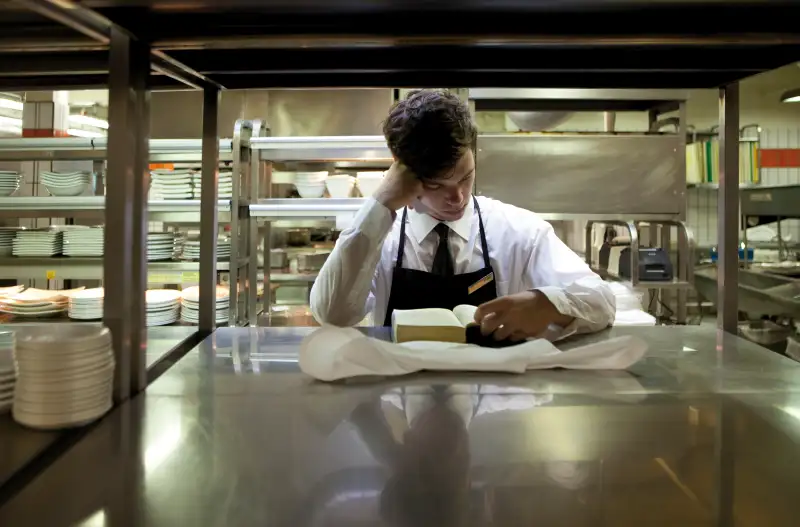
89 121
791 96
83 133
11 105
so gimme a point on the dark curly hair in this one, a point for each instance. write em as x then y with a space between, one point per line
429 131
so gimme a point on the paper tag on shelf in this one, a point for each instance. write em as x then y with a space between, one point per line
51 275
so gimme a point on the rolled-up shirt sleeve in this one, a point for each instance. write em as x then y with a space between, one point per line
341 294
566 280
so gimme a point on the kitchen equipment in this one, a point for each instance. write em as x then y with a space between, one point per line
654 264
311 261
278 259
298 237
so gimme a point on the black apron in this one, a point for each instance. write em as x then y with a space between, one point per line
412 289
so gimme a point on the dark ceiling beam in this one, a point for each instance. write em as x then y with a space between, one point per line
98 28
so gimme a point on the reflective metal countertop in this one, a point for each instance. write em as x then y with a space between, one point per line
701 432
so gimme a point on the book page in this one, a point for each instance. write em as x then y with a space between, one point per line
424 317
465 314
426 324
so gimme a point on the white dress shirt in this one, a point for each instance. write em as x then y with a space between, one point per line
524 251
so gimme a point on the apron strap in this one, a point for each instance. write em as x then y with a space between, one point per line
484 245
401 245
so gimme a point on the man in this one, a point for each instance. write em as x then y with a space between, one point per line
423 240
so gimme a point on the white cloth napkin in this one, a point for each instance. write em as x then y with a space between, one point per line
333 353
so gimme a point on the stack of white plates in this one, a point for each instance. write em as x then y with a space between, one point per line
86 304
310 184
83 242
7 235
368 182
64 376
163 306
160 246
8 375
190 305
37 303
224 187
12 290
9 182
191 249
171 184
37 242
65 183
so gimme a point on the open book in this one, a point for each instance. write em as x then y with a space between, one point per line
441 325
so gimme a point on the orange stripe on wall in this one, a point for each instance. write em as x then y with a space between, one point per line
43 132
780 157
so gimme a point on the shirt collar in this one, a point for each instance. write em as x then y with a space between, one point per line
422 224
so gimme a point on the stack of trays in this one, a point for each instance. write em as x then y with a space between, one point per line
38 242
163 306
65 183
64 376
9 182
224 187
37 303
86 304
190 305
191 249
7 235
160 246
8 375
171 184
83 242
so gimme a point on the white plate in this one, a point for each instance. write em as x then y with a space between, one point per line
63 337
76 419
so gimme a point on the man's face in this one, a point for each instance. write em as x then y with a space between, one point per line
446 197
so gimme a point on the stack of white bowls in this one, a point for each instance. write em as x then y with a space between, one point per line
86 304
368 182
163 306
65 183
8 375
340 185
64 376
310 184
9 182
190 305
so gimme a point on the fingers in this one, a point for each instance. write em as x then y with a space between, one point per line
503 332
497 306
489 324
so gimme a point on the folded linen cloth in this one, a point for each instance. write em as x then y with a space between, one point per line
333 353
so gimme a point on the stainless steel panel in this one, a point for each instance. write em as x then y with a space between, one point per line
235 435
771 201
579 94
583 174
327 112
334 148
209 225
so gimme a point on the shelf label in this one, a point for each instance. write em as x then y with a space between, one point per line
192 277
51 275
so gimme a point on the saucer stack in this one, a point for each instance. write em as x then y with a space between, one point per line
83 242
7 235
9 182
171 184
64 376
224 186
86 304
163 306
191 249
8 376
160 246
38 242
65 183
190 305
36 303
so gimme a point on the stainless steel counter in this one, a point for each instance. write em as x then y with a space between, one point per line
701 431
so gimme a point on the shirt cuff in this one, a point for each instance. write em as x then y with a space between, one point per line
558 298
373 220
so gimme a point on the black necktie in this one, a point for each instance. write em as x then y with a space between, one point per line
443 261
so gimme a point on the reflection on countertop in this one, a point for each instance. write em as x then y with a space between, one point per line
700 431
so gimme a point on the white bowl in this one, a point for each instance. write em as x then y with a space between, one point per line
368 186
309 177
71 190
7 191
316 190
370 175
340 186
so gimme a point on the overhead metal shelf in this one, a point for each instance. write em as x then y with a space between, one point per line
78 148
70 268
357 148
94 207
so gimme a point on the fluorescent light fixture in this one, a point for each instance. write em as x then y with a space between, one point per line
791 96
11 105
89 121
75 132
